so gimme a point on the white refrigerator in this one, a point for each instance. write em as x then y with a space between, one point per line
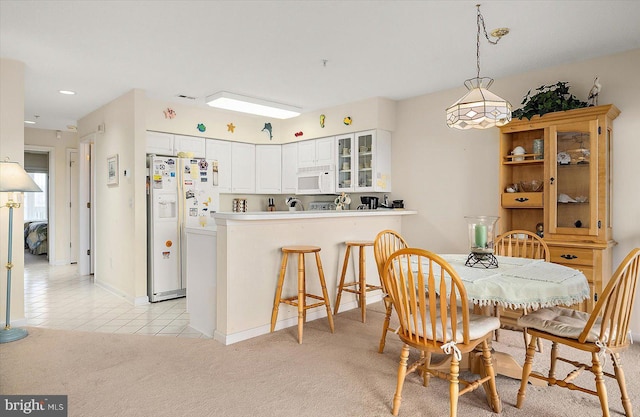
182 193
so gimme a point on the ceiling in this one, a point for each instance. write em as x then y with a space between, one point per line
276 50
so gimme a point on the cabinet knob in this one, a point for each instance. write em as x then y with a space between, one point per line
569 256
522 199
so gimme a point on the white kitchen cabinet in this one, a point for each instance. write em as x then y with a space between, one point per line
289 168
372 161
160 143
345 163
243 168
189 144
220 150
268 169
316 152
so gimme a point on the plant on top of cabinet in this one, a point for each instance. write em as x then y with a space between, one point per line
548 99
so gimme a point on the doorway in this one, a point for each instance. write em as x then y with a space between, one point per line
39 162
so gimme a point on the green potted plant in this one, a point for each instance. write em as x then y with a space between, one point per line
549 98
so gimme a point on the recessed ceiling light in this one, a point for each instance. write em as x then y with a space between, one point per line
67 92
30 122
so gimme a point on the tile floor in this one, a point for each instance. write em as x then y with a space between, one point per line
57 297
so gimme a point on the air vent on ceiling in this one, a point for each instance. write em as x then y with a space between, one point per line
187 97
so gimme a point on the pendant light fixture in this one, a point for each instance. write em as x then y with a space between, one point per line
480 108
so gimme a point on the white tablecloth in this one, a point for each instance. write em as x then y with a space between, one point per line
521 283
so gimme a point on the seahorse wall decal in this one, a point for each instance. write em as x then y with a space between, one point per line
267 127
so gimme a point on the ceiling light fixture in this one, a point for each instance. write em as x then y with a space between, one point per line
480 108
244 104
67 92
29 122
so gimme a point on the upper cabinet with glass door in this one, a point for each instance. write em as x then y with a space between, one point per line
345 166
573 178
574 170
372 161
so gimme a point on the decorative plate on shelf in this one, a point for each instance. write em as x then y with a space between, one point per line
564 158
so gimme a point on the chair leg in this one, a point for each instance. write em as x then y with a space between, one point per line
492 392
526 371
385 325
454 386
276 300
496 313
324 291
342 277
425 358
554 359
600 387
619 373
402 373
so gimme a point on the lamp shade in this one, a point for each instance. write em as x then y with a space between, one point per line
479 108
14 178
251 105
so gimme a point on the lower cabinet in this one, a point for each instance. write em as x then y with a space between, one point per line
593 260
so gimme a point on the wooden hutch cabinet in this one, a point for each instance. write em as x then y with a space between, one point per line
569 153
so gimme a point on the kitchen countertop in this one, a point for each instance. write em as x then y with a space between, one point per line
309 214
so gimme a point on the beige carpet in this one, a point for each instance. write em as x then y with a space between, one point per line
337 374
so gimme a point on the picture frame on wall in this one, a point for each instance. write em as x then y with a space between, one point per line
112 170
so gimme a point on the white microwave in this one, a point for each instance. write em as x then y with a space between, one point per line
316 180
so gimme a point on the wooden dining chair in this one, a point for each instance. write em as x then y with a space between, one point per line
434 317
604 331
521 244
385 243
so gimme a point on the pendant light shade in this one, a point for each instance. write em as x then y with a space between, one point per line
479 108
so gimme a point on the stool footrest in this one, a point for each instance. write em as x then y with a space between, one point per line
370 287
293 301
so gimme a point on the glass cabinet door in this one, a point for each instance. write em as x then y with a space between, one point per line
345 163
573 178
365 160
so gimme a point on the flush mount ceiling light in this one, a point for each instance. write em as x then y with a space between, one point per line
244 104
67 92
480 108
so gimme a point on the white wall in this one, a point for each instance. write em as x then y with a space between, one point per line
67 140
11 146
247 128
374 113
121 246
446 174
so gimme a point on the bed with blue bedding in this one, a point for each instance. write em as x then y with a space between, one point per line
35 237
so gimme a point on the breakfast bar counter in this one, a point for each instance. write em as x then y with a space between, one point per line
249 257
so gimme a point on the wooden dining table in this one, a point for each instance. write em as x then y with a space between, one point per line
517 283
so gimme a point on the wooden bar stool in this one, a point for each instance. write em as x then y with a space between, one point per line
361 284
300 300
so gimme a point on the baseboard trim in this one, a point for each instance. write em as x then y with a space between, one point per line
135 301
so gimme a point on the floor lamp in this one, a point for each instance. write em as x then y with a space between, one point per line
13 178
